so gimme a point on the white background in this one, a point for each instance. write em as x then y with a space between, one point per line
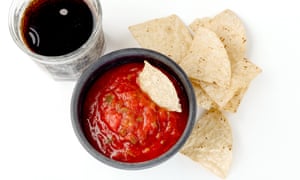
37 140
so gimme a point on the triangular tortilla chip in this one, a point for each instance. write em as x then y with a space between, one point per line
242 74
159 88
230 29
210 143
167 35
207 59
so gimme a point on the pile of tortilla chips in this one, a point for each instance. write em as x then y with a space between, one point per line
212 53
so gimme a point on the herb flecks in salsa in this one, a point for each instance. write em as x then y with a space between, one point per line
123 123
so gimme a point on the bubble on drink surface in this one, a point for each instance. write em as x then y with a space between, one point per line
63 11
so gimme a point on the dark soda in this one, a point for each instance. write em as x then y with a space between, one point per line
56 27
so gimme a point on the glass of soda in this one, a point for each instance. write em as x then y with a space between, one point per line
62 36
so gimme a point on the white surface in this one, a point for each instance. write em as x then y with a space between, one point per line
37 140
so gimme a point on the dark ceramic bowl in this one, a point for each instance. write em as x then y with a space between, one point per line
118 58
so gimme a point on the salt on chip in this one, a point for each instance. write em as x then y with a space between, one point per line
210 143
230 29
159 88
207 59
243 73
167 35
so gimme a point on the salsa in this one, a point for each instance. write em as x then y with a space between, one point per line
123 123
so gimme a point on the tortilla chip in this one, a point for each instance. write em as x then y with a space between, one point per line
203 100
230 29
233 105
159 88
243 73
203 22
207 59
210 143
168 35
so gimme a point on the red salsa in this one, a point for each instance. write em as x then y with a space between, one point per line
123 123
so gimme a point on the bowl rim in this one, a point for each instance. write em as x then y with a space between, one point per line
109 61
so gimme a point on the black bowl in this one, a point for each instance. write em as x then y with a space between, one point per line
118 58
